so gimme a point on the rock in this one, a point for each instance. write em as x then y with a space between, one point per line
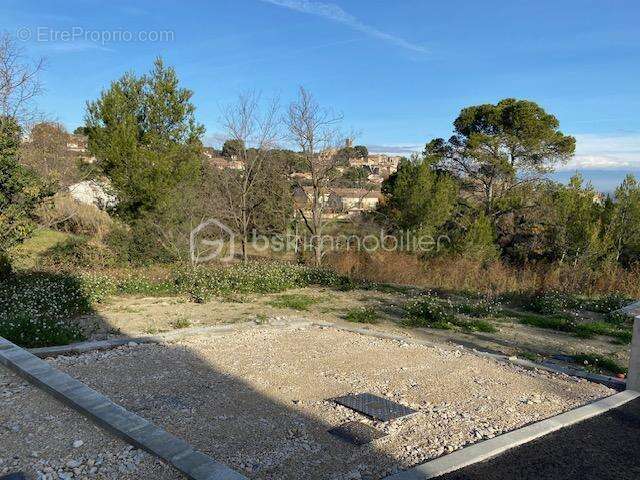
78 443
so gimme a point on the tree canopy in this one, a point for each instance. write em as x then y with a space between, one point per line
144 134
497 148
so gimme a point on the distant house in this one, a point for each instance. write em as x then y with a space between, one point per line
378 164
354 199
77 143
344 201
223 163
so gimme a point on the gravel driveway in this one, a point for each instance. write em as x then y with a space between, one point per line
257 400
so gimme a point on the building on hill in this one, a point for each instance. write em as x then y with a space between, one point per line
341 202
378 164
77 143
223 163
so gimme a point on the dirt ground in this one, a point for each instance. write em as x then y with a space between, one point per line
259 401
140 315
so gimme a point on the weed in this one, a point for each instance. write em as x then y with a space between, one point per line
599 363
362 315
294 301
607 303
36 310
484 307
181 322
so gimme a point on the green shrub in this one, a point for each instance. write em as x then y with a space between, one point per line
362 315
202 283
77 252
181 323
485 307
607 303
429 311
475 326
37 310
600 362
550 303
294 301
619 319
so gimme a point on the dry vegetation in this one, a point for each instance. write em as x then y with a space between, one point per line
491 277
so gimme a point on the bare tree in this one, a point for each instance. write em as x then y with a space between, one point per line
313 129
19 82
254 127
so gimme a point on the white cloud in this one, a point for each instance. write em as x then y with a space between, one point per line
401 149
602 151
335 13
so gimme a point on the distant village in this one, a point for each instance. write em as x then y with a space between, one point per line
351 198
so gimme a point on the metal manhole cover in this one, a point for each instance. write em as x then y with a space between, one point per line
356 432
375 407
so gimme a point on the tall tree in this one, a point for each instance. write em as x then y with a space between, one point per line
498 148
253 196
20 188
233 148
625 222
313 129
144 134
418 197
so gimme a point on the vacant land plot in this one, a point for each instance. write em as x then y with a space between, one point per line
259 399
508 334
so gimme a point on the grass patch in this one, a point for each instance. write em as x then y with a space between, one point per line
27 254
557 323
600 363
484 307
432 312
37 310
182 322
205 282
476 326
362 315
566 324
294 301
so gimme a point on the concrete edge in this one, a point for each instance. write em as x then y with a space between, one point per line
605 380
126 425
490 448
85 347
172 336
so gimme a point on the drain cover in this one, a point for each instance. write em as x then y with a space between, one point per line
356 432
373 406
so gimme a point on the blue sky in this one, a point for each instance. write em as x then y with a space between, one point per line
399 71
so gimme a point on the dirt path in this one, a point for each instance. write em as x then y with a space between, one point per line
135 315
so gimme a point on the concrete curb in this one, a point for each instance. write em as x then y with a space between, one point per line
85 347
633 379
495 446
128 426
610 382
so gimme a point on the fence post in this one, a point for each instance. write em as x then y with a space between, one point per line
633 378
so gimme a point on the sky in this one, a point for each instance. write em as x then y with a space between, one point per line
398 71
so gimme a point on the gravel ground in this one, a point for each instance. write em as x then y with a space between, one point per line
605 447
46 440
257 401
133 315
